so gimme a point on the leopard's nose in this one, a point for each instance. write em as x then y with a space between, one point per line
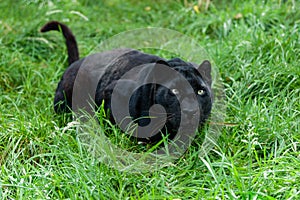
189 107
189 112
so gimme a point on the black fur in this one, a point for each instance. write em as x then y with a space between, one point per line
117 63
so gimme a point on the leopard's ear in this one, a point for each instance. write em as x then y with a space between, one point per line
205 71
162 62
154 72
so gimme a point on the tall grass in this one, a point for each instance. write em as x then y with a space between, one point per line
255 45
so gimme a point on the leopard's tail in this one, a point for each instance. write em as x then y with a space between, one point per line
73 54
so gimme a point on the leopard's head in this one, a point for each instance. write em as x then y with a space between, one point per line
173 94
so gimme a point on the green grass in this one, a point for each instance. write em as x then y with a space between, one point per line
258 58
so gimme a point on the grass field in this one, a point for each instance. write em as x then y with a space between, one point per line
254 44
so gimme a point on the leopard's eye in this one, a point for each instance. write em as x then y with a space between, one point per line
201 92
175 91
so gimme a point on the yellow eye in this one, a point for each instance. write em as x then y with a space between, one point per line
201 92
175 91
